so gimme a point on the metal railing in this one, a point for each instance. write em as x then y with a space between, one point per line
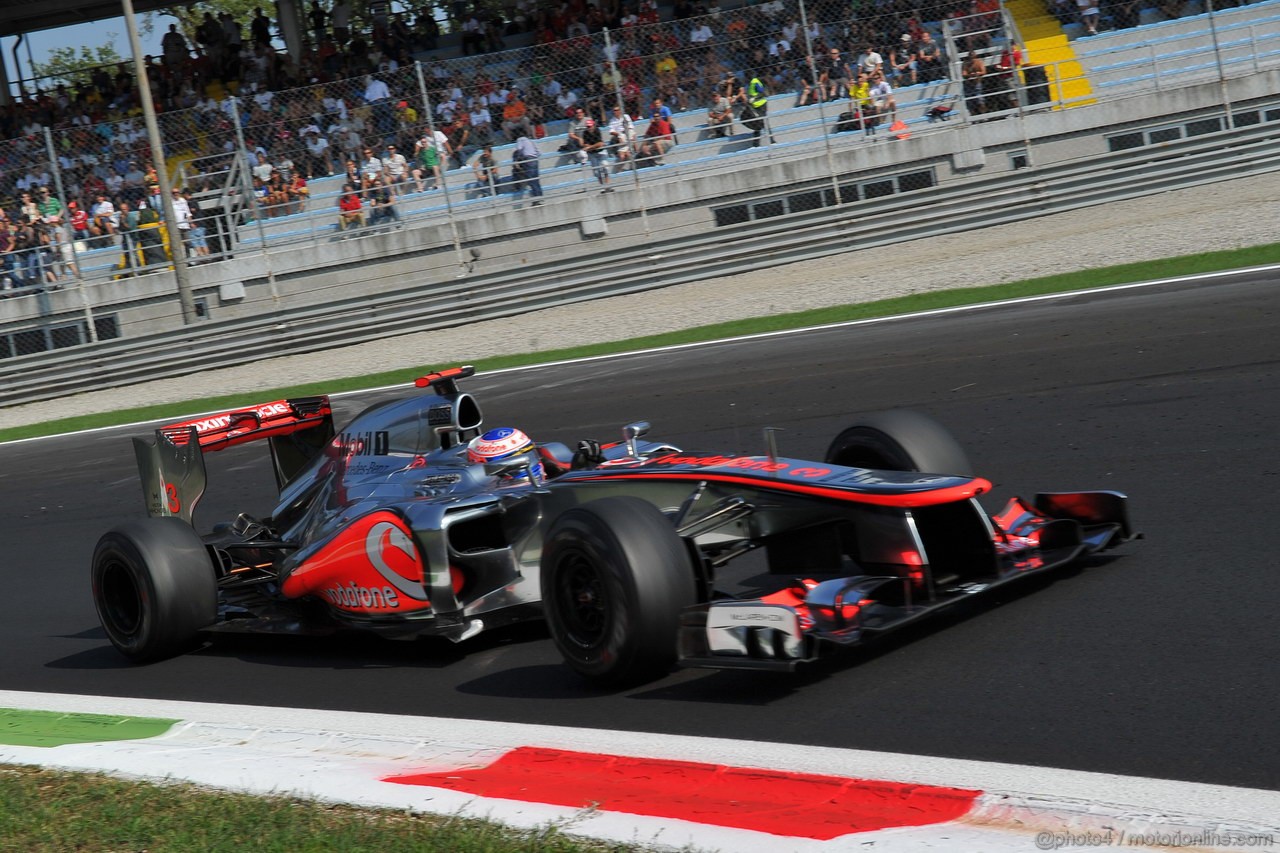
1009 197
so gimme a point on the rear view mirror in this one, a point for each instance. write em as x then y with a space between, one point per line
633 431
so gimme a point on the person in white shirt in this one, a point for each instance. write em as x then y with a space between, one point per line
371 170
620 135
397 165
318 163
481 123
445 110
182 216
701 34
262 169
103 216
566 101
869 61
882 96
375 90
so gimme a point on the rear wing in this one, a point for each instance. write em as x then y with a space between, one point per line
171 464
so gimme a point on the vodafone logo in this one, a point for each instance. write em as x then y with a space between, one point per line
391 552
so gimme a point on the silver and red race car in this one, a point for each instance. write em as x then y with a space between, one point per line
412 521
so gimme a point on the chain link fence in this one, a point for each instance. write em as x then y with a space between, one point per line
474 154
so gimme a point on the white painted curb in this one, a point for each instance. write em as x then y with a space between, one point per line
343 757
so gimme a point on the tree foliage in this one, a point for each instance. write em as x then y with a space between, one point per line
72 65
189 17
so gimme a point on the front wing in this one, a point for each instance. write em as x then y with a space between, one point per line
811 619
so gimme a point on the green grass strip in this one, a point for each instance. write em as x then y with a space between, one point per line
46 810
53 728
931 301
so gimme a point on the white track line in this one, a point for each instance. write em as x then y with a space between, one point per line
936 312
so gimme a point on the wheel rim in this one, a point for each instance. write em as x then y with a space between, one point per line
581 600
121 599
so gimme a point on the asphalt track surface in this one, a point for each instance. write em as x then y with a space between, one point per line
1159 661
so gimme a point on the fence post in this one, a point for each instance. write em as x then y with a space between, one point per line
177 250
463 266
64 228
1222 71
822 114
631 138
242 154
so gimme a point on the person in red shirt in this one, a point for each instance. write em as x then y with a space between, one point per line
350 209
658 138
79 221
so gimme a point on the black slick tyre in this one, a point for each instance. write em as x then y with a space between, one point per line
900 440
615 577
153 587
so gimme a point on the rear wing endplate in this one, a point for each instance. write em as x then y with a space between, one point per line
171 464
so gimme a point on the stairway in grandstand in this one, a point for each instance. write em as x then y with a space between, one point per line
1046 44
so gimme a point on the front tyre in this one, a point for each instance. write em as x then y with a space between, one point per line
153 587
615 576
900 440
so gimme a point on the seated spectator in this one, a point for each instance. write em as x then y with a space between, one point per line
79 221
1089 12
659 136
869 60
104 218
350 209
396 166
903 64
317 163
882 96
481 122
371 171
461 146
27 206
864 116
720 115
486 172
929 60
428 153
383 204
299 192
262 170
621 136
573 136
833 75
515 120
276 199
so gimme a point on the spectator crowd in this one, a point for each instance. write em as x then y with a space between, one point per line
356 103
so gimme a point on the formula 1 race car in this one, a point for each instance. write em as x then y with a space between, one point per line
410 522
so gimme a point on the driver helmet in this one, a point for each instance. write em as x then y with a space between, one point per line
502 443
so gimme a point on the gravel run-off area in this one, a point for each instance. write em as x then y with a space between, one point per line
1227 215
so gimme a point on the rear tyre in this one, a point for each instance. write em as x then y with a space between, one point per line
153 587
615 577
900 440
